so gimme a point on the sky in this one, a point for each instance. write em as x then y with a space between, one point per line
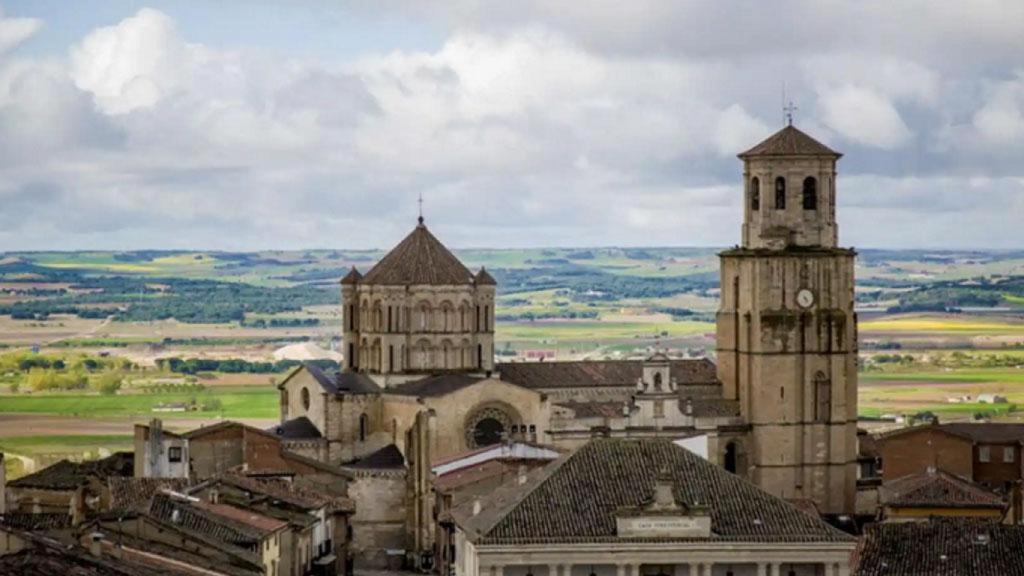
255 124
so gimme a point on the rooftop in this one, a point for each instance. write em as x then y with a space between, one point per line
387 458
615 373
937 489
67 475
790 142
134 493
576 499
419 259
438 385
300 428
942 547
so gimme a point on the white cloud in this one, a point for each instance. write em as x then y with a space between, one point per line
1001 120
864 116
14 31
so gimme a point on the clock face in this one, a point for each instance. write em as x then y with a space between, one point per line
805 298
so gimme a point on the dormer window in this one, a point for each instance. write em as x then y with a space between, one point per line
780 193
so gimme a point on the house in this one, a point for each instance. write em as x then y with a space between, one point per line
475 474
72 488
987 454
636 507
950 546
936 493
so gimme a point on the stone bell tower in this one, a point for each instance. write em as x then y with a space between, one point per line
787 332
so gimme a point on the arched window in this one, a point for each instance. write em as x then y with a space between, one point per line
364 427
755 194
810 193
351 355
480 356
657 381
305 398
729 462
780 193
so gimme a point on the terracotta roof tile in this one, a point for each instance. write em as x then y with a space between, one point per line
134 493
937 489
790 142
612 373
419 259
942 547
67 475
575 499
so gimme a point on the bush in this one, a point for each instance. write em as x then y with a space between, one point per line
108 382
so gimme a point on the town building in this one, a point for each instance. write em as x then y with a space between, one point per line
641 507
940 547
936 493
984 453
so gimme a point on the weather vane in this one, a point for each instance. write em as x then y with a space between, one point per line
421 208
787 106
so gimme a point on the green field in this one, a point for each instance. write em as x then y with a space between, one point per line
574 331
64 444
237 402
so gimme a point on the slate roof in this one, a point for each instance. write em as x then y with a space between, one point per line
937 489
417 260
128 494
300 428
942 547
588 374
438 385
790 142
387 458
575 499
67 475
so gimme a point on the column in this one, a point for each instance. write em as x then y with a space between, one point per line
705 568
762 569
774 570
620 570
553 570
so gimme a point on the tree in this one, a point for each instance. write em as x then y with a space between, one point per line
108 383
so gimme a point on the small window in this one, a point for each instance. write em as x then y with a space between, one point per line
810 193
364 425
755 194
305 398
657 381
659 408
780 193
985 454
174 454
1008 455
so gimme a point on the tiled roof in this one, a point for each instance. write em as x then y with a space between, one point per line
985 432
942 547
287 492
387 458
439 385
790 142
264 524
575 499
203 523
353 276
42 558
589 374
712 407
937 489
594 409
67 475
417 260
134 493
484 278
342 382
300 428
34 522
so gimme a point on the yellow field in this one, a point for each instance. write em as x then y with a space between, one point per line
943 324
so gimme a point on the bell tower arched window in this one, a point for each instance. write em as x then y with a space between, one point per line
780 193
755 194
657 381
810 193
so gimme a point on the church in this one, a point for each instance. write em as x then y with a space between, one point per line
420 384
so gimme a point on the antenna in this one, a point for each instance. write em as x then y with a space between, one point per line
420 220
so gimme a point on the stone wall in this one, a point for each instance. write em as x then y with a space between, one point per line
379 522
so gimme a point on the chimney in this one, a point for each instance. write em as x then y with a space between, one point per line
477 506
689 407
214 496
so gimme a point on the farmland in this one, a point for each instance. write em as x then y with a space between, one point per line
937 329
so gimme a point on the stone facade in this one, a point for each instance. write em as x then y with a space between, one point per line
787 332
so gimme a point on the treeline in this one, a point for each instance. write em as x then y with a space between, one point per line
236 366
554 315
586 284
129 298
954 296
281 323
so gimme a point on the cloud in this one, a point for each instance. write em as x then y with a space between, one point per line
542 124
14 31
